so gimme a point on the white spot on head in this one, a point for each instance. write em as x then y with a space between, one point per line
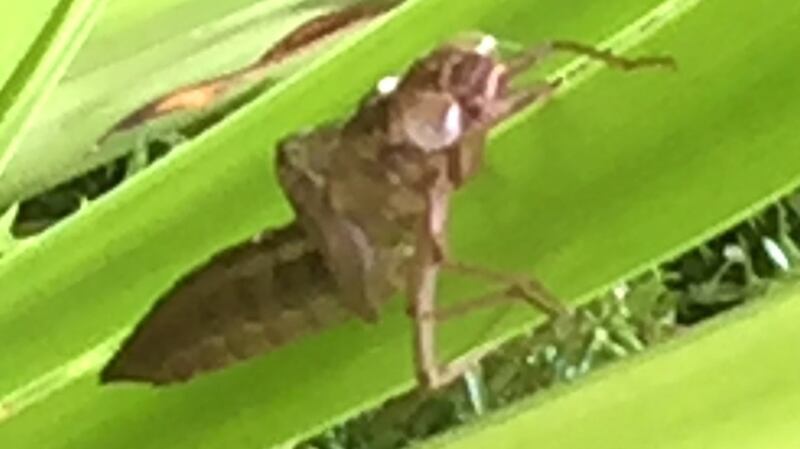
487 45
388 84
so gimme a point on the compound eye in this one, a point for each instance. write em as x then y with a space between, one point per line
432 120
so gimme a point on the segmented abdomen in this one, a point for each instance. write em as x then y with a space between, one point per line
247 300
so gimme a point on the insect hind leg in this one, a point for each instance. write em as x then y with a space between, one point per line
515 288
431 372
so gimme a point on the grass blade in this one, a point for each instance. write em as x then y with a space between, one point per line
730 383
42 68
621 172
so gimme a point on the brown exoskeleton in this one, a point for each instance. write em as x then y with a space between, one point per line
371 198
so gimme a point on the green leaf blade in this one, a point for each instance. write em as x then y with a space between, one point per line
41 69
598 185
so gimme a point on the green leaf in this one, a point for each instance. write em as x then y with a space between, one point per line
18 31
41 69
621 171
6 219
140 50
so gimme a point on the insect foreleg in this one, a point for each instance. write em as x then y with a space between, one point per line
613 60
531 57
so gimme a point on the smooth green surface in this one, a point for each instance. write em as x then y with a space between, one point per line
622 171
19 26
45 62
731 383
6 239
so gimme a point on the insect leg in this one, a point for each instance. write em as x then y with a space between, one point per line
539 53
428 261
423 272
422 299
434 374
431 373
521 99
613 60
526 288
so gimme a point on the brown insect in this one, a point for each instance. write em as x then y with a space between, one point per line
371 198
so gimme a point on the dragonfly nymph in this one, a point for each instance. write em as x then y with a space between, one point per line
371 197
